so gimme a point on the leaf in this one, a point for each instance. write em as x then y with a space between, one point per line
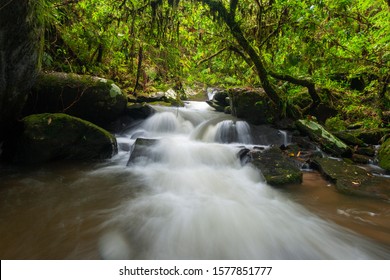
49 120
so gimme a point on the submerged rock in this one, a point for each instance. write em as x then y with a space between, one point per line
94 99
353 180
141 150
277 168
47 137
327 141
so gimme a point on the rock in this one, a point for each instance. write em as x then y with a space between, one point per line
47 137
218 107
252 105
94 99
384 155
361 159
21 44
141 150
328 142
371 136
134 113
220 101
170 97
366 151
353 180
139 111
349 138
277 169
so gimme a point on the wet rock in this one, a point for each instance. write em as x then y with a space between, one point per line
94 99
328 142
139 111
353 180
361 159
366 151
47 137
371 136
277 169
220 101
384 155
252 105
169 97
141 150
349 138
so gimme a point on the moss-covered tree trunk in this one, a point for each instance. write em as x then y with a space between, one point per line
20 47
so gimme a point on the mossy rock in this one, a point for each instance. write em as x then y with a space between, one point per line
94 99
371 136
47 137
327 141
349 138
277 169
384 155
252 105
353 180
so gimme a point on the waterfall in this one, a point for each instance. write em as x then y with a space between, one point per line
198 202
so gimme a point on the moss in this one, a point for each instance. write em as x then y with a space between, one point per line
277 169
352 180
325 139
91 98
59 136
384 155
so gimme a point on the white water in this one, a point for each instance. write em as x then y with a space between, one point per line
198 202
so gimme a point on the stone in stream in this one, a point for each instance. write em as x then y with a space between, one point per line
276 167
141 150
384 155
47 137
94 99
351 179
328 142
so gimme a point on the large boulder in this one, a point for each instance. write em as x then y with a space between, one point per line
277 169
353 180
91 98
47 137
327 141
21 34
252 105
384 155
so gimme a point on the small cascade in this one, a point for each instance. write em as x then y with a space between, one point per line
286 139
229 131
199 202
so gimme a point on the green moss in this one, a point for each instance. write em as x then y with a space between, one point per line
384 155
59 136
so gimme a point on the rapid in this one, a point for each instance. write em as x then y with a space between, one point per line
187 196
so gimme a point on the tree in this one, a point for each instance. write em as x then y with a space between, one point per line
20 51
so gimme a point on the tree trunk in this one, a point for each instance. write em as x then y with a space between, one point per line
20 50
229 19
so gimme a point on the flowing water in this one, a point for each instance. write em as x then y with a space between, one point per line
187 197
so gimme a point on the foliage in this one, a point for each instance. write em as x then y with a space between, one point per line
341 45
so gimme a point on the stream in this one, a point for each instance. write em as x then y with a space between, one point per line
188 197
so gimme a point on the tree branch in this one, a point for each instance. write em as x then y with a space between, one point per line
211 56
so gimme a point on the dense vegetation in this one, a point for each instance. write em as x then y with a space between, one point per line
335 52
